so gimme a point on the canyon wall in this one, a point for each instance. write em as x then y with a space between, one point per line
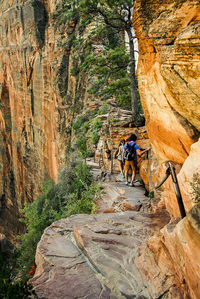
168 76
42 93
33 117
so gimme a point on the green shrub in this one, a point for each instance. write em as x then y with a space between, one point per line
103 109
82 145
94 137
151 194
114 120
8 288
79 122
75 193
85 126
97 124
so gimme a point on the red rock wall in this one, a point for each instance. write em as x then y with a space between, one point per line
32 114
168 76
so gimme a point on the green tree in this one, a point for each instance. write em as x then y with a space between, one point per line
117 14
113 78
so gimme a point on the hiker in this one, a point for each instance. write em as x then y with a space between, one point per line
130 152
118 155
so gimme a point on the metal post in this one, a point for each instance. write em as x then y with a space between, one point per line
177 190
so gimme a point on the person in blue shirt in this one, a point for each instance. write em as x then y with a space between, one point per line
131 162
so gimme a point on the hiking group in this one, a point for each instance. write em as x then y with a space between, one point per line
127 156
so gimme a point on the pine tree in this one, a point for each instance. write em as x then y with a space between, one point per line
117 14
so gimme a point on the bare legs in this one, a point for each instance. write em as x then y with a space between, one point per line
121 166
130 164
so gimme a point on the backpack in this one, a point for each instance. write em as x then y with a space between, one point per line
130 152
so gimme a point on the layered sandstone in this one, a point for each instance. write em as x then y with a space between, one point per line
168 76
32 114
92 256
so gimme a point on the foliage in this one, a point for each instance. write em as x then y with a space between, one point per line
114 120
80 121
8 288
151 194
196 188
74 193
112 75
103 109
82 145
94 137
85 127
66 12
117 16
116 13
97 124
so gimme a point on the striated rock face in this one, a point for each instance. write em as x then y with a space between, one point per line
92 256
168 76
31 111
174 249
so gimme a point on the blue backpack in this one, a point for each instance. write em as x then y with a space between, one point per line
130 152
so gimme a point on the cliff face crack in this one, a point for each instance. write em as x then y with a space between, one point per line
84 253
183 147
41 20
184 122
185 82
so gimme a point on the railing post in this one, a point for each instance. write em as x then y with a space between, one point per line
177 191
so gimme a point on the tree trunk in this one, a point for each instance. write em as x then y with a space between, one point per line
133 78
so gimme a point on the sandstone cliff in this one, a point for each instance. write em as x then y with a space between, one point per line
42 91
31 115
168 76
39 96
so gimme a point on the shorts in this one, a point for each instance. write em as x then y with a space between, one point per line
120 158
129 164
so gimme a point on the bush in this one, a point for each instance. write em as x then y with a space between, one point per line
103 109
75 193
82 145
97 124
151 194
8 288
85 126
94 137
80 120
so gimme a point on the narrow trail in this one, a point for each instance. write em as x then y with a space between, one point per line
97 254
117 196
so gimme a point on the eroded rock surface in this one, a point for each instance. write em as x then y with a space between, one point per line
92 256
32 134
123 255
168 76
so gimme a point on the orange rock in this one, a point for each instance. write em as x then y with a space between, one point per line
109 210
168 79
78 238
129 207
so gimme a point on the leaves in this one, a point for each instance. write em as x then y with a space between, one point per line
75 193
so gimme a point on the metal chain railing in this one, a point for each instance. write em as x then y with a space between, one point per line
170 171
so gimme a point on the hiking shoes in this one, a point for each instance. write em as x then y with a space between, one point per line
127 183
131 185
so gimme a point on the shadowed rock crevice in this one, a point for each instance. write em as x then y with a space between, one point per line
41 20
63 76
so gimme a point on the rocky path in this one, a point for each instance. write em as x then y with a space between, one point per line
93 256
